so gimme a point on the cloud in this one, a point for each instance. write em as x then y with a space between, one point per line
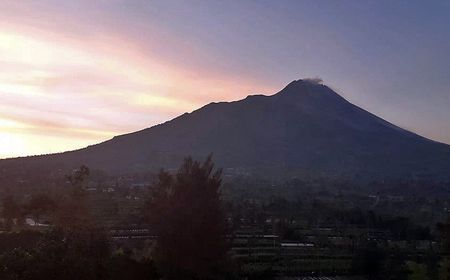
315 80
79 84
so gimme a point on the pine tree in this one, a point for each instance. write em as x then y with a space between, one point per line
186 212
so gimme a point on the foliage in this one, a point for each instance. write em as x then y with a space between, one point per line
39 205
444 269
73 212
418 271
78 179
58 255
10 209
369 261
186 212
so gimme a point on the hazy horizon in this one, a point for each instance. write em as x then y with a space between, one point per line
79 73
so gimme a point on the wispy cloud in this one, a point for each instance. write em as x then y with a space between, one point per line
73 88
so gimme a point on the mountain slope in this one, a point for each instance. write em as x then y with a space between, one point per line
306 127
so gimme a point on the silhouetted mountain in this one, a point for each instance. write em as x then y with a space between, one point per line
304 128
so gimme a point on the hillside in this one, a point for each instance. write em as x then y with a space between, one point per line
304 128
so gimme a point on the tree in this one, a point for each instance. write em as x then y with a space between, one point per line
369 261
444 230
418 271
57 255
10 209
78 180
39 205
444 270
396 267
73 211
185 211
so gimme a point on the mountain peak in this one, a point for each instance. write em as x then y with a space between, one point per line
306 127
311 91
307 81
302 86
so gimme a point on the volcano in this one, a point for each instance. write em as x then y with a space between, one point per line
306 128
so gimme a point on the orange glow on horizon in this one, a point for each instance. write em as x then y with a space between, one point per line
60 93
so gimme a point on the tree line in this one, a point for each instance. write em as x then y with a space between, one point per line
184 210
193 227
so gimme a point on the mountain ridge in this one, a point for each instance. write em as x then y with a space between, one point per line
305 127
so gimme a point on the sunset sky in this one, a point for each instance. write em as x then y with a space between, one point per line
75 73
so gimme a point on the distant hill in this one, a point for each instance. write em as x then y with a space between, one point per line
306 128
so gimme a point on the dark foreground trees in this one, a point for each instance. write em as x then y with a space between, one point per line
57 255
74 247
75 255
185 211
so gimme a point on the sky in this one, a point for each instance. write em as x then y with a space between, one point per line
75 73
